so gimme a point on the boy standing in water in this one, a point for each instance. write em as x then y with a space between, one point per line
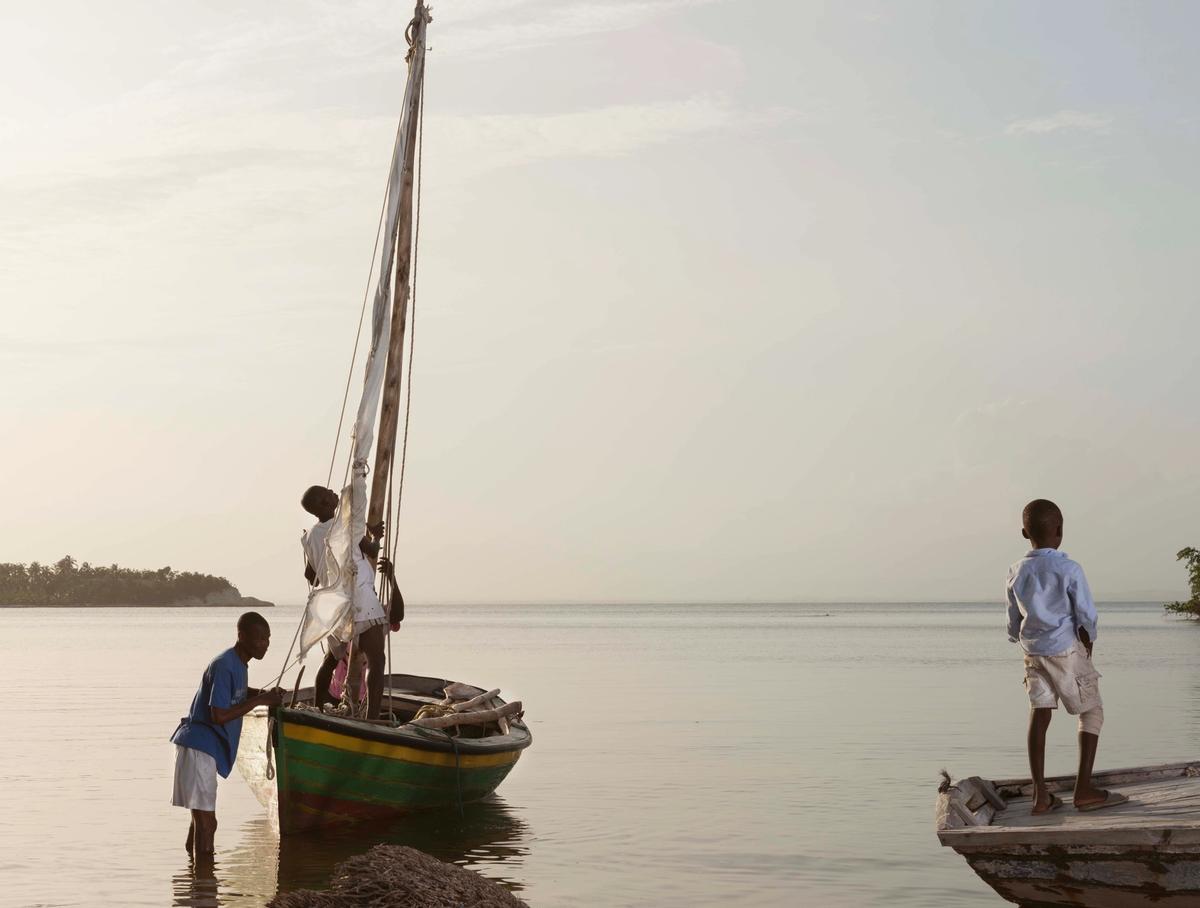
1052 616
206 741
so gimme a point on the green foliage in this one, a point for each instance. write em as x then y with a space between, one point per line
1192 607
71 583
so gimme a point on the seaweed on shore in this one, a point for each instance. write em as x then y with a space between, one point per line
394 876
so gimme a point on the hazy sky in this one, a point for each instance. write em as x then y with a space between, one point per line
716 300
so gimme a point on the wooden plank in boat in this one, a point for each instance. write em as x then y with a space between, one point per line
408 695
969 802
482 717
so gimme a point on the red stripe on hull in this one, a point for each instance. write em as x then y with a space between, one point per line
301 810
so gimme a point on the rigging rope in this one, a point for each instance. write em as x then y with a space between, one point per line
412 304
286 664
337 437
296 636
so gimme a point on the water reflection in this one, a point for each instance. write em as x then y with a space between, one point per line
1192 627
489 838
197 886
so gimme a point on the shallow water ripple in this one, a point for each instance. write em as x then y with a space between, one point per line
762 755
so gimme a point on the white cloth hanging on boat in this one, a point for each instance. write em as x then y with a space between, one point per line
368 610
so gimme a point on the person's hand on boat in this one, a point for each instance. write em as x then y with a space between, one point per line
376 530
272 697
387 568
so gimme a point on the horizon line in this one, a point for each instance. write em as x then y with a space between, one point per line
1153 600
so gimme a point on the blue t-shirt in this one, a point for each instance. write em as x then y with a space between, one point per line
224 685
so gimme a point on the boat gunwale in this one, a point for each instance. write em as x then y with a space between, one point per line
1023 787
436 741
1151 836
406 735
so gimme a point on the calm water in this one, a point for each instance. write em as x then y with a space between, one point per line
683 755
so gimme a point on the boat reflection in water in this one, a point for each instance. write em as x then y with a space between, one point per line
488 838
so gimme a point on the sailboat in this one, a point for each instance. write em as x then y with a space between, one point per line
441 742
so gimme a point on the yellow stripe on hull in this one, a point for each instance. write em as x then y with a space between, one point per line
395 751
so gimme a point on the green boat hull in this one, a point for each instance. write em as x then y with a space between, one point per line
330 770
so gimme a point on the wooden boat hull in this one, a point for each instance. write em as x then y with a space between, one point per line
1143 852
1093 876
329 770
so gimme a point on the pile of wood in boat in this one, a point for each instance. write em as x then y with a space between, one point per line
393 876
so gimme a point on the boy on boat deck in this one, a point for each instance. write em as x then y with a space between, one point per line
206 741
1052 616
370 621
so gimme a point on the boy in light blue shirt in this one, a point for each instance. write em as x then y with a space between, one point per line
1052 615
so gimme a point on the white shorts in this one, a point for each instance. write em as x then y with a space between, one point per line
339 648
195 779
1070 676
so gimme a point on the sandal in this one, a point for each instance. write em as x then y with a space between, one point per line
1055 803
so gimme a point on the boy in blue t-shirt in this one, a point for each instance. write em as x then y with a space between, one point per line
206 740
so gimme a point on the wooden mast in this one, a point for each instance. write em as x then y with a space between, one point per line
390 408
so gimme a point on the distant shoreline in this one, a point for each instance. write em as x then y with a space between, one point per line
249 603
70 584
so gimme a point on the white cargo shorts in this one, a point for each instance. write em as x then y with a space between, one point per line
1068 676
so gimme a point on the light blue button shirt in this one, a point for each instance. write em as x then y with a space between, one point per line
1048 601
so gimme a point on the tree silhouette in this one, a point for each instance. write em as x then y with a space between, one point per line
1191 557
71 583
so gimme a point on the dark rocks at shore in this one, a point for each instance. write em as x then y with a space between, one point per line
394 876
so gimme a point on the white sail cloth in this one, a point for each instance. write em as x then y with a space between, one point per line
330 604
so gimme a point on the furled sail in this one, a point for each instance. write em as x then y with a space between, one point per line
330 604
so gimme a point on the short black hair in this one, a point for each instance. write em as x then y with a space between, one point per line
1041 518
309 496
251 620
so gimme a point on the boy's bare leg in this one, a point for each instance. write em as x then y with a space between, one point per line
372 643
203 867
191 834
1039 721
354 675
324 677
1085 791
205 824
